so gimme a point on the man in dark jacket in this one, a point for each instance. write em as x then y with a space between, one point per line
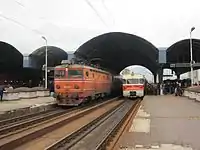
2 89
51 88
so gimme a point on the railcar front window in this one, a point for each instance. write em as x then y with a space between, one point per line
123 81
75 73
132 81
141 81
135 81
59 73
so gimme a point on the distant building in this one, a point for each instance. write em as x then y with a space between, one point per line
168 74
162 59
28 61
196 74
125 71
70 54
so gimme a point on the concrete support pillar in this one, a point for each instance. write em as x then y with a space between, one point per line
161 81
178 76
155 78
160 75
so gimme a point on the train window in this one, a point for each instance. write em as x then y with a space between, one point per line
93 75
87 73
75 73
132 81
135 81
123 81
59 73
141 81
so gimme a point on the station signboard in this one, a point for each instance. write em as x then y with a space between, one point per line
183 65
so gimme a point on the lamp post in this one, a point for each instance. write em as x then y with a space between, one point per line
191 57
46 71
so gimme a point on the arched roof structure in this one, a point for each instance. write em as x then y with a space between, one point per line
117 50
55 56
179 52
10 57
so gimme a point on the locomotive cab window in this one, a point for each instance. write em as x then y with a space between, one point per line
59 73
75 73
87 73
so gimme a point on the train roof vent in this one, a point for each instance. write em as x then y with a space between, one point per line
65 62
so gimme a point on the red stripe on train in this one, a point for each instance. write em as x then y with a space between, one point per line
133 87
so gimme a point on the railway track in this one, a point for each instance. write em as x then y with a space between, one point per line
32 134
10 121
96 134
110 142
18 124
11 128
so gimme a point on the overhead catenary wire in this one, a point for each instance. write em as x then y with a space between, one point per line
108 11
96 12
18 23
35 31
38 32
19 3
87 1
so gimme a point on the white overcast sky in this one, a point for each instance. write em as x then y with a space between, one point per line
69 23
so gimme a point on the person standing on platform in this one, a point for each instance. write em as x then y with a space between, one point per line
51 89
2 89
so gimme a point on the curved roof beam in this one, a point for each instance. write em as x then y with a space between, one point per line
115 49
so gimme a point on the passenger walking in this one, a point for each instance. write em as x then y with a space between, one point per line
178 90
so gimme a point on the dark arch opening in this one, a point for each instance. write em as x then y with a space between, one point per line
55 56
11 63
117 50
10 57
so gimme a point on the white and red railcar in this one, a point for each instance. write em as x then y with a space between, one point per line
134 86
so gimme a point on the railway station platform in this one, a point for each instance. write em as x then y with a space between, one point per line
15 108
164 123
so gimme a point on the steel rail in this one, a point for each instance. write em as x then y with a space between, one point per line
6 122
71 139
104 143
33 134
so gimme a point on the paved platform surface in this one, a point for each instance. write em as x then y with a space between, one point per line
23 103
10 109
164 123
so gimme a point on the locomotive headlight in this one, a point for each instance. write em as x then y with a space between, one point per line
76 86
67 87
57 86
